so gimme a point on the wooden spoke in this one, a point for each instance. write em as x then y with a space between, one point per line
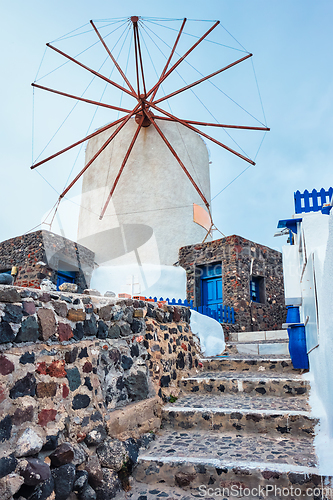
96 155
170 57
202 133
113 59
182 58
179 160
79 142
96 103
92 71
204 124
122 167
203 79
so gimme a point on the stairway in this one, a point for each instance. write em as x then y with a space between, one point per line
243 424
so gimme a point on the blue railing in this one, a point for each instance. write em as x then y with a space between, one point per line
223 314
312 201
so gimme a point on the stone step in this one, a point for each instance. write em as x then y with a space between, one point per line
255 384
242 413
264 347
250 363
205 459
258 336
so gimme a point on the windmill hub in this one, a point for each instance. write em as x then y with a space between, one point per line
138 117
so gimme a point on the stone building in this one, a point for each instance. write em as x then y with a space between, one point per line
43 254
239 273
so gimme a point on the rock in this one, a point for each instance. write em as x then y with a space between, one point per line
102 331
125 329
9 294
114 332
109 486
126 362
29 307
47 286
90 326
23 415
137 325
10 485
87 367
13 313
81 480
26 386
6 333
96 436
94 470
137 386
29 443
47 322
74 378
80 401
112 454
65 332
184 479
27 358
6 279
60 308
71 356
51 443
29 330
56 369
45 297
132 448
105 312
6 428
44 491
66 299
92 291
7 465
46 389
83 353
87 493
76 315
68 287
87 383
46 416
80 452
62 455
6 366
34 471
78 331
109 294
63 478
135 351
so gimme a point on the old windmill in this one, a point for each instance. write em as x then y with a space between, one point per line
144 171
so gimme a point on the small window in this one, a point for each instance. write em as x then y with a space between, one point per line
257 289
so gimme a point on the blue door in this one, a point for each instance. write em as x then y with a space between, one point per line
65 277
211 288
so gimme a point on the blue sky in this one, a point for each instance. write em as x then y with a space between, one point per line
291 41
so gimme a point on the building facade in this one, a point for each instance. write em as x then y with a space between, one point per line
238 273
43 254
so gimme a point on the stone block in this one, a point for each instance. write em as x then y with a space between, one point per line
47 322
76 315
46 389
29 331
65 332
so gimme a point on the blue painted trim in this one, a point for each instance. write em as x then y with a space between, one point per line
289 223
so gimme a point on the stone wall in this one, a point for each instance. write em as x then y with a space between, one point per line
41 254
239 257
80 371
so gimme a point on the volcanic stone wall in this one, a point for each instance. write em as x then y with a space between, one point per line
239 258
78 371
39 255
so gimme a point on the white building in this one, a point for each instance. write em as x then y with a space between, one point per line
308 278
